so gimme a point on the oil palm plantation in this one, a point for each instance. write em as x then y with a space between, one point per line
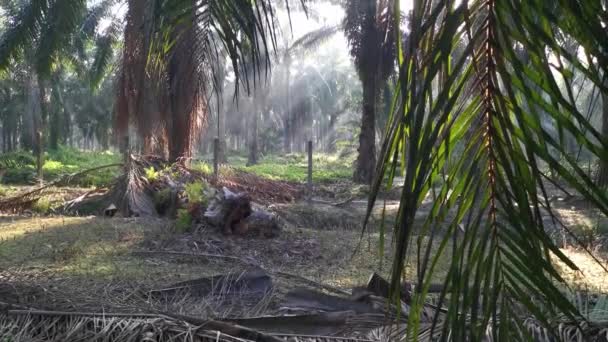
465 130
168 52
34 44
473 127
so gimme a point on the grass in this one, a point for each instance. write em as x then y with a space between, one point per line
77 246
20 167
293 167
100 248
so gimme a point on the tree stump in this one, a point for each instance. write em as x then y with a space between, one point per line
233 214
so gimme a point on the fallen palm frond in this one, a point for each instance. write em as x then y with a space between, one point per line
32 325
260 189
24 200
333 323
37 325
312 283
23 325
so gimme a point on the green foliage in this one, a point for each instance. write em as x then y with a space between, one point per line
183 224
203 167
20 167
42 205
195 192
162 197
590 235
489 84
294 167
16 159
24 175
151 174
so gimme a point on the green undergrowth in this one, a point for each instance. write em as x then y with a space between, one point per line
293 167
20 167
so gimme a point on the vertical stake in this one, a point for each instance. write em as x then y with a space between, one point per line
216 155
40 155
309 150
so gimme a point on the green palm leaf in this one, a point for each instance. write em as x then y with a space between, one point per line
478 143
22 31
104 53
62 19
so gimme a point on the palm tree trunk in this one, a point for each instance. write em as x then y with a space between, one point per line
253 136
331 135
31 117
131 79
54 130
287 122
185 95
603 169
57 129
366 160
221 133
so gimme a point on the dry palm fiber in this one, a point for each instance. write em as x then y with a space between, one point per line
131 192
70 328
260 189
24 325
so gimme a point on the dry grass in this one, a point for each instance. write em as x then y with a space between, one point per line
100 248
93 254
592 276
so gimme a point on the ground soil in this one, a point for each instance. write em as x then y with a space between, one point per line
88 263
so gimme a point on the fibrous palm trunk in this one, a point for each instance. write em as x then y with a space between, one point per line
253 136
603 169
287 121
331 135
32 114
223 146
131 80
366 160
221 123
185 97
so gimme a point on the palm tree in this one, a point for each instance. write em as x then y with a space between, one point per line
169 49
302 46
40 37
370 34
476 145
603 169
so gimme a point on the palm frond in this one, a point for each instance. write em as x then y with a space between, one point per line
94 16
244 30
311 40
370 33
104 53
62 19
478 144
22 30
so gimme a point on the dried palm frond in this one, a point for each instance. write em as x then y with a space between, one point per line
23 325
68 328
260 189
